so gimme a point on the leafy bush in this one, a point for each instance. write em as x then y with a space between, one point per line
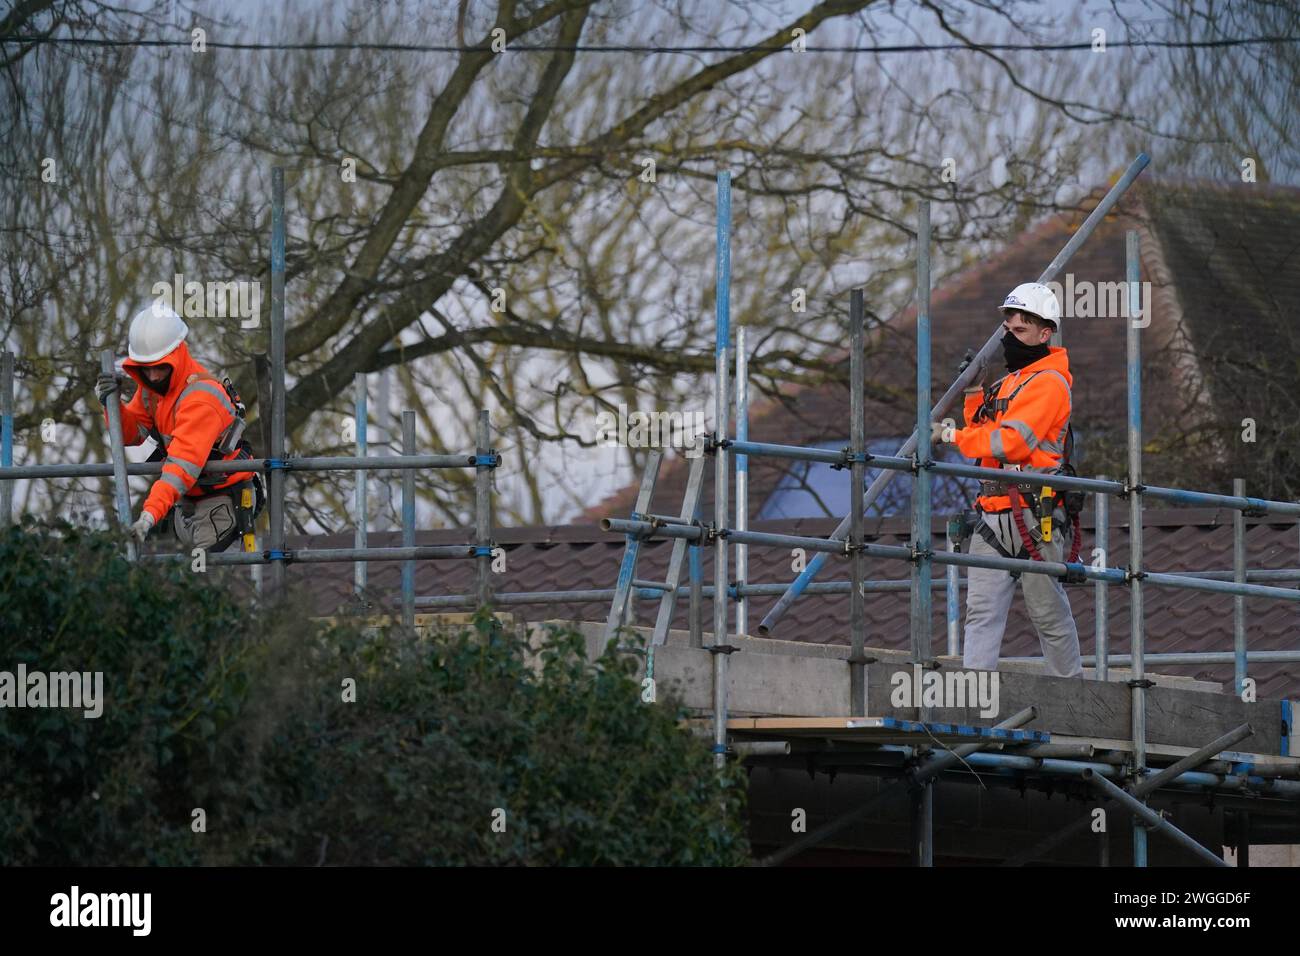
211 705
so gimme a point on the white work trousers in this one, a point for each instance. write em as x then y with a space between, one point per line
988 599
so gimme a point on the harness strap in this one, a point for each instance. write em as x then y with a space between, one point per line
992 406
987 533
1017 515
1017 509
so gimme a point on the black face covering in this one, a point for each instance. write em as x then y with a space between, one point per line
160 387
1019 354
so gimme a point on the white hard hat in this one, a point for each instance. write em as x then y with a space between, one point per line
155 331
1036 299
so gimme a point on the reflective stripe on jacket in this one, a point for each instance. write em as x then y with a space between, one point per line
190 418
1031 431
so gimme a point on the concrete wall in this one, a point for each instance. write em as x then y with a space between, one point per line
794 679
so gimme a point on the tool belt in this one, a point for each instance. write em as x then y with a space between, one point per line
1028 494
1071 502
245 514
215 521
1044 509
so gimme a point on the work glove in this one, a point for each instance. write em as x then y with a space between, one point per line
142 525
981 374
943 431
107 381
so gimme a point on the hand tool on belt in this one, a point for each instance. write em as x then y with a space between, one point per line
1042 505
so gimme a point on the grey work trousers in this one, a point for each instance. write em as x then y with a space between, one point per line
988 599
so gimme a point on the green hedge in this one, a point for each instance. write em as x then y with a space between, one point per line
210 706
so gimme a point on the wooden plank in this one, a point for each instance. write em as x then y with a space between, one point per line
879 728
1064 705
792 724
1083 708
757 683
1186 718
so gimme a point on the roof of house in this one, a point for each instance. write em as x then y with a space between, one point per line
1234 255
1221 262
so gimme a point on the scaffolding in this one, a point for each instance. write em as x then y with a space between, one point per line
1208 769
848 541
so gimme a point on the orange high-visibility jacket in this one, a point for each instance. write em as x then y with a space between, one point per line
190 418
1031 431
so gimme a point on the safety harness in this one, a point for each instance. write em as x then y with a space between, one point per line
247 497
229 440
1042 505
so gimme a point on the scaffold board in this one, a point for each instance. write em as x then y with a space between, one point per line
879 730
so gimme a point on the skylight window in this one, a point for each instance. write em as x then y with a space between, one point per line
816 490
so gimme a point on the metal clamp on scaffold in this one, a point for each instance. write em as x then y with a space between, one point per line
490 460
1130 575
917 556
1140 682
849 459
484 550
659 521
1129 489
1256 510
1075 574
278 464
712 444
285 556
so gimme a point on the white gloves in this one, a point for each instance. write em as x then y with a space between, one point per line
942 432
142 525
